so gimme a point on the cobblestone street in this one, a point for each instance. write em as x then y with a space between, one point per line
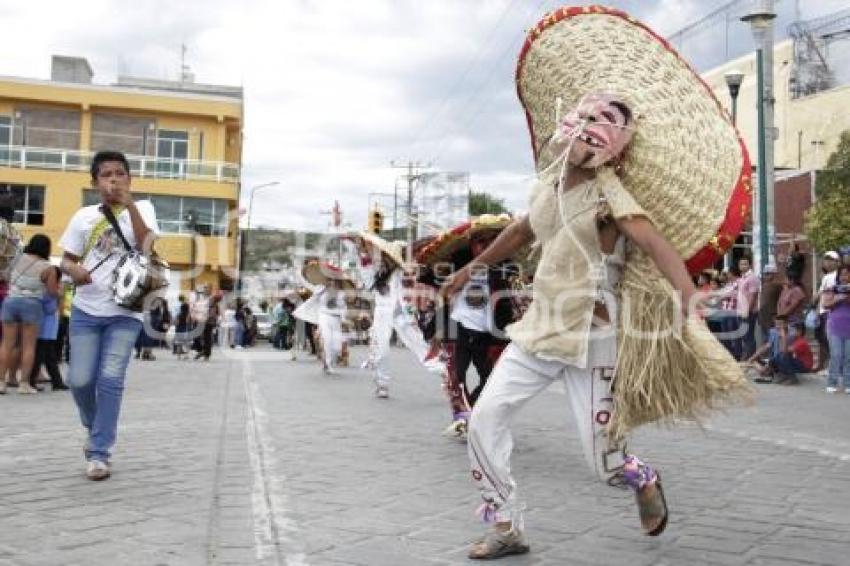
254 459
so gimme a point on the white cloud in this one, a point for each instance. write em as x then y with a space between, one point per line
334 89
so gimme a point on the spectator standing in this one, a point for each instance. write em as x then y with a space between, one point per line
729 325
30 279
210 323
792 300
182 330
46 350
771 288
241 329
831 262
747 304
836 300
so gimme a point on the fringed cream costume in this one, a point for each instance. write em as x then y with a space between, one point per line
687 173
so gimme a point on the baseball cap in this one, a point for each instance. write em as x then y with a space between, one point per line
832 255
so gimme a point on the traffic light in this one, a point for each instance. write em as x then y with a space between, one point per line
376 221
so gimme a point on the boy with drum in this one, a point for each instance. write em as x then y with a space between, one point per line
102 333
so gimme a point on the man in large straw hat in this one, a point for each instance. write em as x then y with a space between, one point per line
639 170
472 329
382 272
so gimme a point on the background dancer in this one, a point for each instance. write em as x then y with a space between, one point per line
614 225
471 332
382 274
326 308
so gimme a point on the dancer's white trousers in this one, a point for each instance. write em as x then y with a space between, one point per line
519 376
330 328
381 331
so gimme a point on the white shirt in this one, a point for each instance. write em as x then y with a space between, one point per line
473 317
96 298
826 282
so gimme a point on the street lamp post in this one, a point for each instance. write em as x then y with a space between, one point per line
761 24
242 233
734 78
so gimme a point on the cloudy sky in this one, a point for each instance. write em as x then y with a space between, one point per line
337 90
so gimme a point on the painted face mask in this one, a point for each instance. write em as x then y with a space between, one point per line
596 131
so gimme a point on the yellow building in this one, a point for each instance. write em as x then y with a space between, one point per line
183 141
807 126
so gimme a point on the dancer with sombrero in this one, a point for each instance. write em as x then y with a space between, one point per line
471 331
641 178
326 308
382 272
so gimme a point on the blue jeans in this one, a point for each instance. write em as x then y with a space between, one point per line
786 364
100 351
839 361
748 340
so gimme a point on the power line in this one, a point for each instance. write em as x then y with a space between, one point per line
444 103
481 91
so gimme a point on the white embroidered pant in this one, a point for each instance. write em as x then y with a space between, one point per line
330 329
408 332
519 376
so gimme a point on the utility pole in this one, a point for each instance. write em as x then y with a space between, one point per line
413 175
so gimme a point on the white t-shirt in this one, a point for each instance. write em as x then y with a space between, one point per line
96 298
826 282
473 316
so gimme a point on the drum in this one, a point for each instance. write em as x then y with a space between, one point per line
135 277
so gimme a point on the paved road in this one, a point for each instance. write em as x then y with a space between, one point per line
250 459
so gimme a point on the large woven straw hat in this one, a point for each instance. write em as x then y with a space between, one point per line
321 273
686 165
446 244
389 249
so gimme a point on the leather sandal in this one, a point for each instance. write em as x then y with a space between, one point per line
496 544
651 510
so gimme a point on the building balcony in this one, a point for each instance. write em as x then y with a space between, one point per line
141 166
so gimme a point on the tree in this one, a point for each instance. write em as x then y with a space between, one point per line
485 203
827 222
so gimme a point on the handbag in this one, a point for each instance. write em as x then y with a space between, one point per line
137 275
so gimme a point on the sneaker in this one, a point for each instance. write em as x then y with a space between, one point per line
97 470
26 389
831 389
496 544
382 392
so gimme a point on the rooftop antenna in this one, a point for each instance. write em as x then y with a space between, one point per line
186 75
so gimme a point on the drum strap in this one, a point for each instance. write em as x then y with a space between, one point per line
96 233
110 216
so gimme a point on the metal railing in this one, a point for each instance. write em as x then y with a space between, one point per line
144 166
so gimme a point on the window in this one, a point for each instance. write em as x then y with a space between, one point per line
172 147
5 130
172 144
28 201
176 214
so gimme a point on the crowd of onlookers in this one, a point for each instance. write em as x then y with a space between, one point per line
763 321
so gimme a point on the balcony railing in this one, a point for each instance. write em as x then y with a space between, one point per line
144 166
